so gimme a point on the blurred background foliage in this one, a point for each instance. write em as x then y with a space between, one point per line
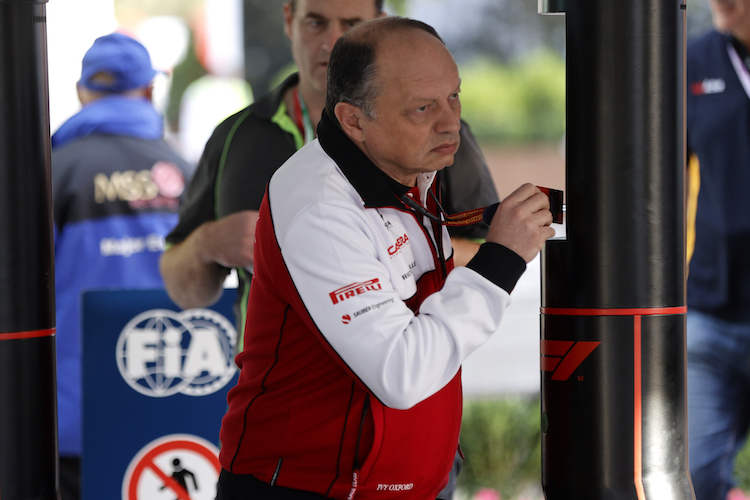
519 101
742 468
501 440
398 7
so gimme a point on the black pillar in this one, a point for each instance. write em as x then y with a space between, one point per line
28 414
613 292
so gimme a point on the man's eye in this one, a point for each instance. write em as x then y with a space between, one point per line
421 109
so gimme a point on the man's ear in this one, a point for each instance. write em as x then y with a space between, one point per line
288 15
85 96
148 92
351 120
81 93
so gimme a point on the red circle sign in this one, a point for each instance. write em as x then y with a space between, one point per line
187 466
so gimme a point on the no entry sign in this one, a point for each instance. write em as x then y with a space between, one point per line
178 466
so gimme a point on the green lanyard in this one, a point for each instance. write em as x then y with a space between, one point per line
302 117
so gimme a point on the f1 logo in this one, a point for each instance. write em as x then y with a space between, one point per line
562 357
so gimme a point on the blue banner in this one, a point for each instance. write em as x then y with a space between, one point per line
155 380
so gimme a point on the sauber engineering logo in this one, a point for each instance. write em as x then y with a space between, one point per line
563 357
355 289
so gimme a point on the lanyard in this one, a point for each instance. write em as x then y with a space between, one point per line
740 63
462 219
302 118
557 207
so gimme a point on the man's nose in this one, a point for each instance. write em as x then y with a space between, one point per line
334 33
449 119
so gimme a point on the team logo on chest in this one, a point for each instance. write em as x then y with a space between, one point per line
396 248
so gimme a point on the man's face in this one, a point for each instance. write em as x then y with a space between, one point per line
314 27
731 15
418 111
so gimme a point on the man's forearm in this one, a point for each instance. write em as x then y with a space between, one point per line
191 282
194 269
463 250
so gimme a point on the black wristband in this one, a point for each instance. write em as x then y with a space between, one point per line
498 264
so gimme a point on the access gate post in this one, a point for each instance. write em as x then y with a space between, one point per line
28 413
613 362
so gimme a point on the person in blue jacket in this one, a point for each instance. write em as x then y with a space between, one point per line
718 286
116 190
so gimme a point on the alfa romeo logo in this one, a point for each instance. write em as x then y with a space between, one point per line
161 352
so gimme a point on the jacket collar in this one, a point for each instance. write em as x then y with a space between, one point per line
268 105
741 51
112 115
375 187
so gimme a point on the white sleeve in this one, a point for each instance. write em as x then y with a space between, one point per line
401 357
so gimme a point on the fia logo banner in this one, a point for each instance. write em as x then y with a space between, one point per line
161 352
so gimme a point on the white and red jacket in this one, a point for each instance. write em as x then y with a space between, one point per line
350 382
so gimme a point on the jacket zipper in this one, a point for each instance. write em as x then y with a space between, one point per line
276 472
436 241
357 465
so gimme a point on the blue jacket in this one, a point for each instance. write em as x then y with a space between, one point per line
116 190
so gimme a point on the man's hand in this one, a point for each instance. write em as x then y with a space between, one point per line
522 222
194 269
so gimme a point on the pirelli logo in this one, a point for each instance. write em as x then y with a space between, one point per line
354 289
563 357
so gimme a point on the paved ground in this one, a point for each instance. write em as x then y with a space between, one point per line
509 362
